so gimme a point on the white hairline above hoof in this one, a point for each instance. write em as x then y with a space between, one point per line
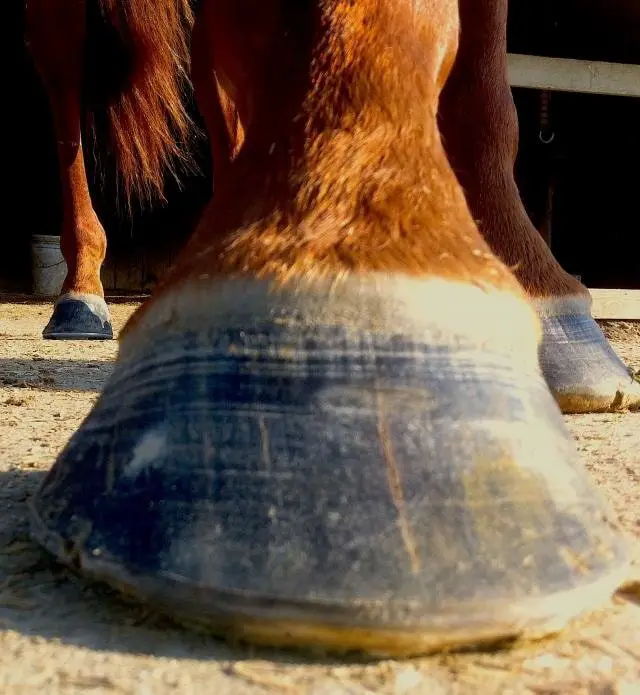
573 304
434 310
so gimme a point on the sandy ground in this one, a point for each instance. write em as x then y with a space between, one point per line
62 636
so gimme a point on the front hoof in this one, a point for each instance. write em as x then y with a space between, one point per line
79 317
581 368
374 466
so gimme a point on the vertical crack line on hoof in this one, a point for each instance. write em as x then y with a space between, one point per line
264 443
395 484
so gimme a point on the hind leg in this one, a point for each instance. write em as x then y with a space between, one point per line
581 368
220 115
56 35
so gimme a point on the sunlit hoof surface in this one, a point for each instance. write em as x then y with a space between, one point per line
379 469
79 317
582 369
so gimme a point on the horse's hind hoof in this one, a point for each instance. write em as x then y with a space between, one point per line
375 466
79 317
581 368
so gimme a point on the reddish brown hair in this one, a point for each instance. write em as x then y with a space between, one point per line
145 117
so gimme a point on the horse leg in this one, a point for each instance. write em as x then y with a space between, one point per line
580 366
328 427
56 31
215 105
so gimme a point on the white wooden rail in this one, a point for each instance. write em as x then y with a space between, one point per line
616 304
568 75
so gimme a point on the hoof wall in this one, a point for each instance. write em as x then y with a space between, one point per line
320 628
79 317
581 368
335 469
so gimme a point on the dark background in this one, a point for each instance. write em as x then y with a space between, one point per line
595 156
593 163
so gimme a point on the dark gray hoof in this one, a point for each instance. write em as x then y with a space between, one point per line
79 317
376 467
581 368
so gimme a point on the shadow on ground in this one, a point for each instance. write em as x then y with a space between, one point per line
54 374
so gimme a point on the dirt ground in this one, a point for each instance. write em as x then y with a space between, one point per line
62 636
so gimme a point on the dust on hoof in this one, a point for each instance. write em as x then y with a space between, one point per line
375 467
581 368
79 317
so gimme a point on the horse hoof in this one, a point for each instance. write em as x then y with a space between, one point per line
378 467
581 368
79 317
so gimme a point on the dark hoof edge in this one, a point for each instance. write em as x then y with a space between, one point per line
582 369
386 490
79 319
323 627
